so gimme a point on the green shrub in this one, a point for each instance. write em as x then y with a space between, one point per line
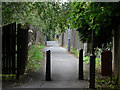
86 59
35 57
7 77
105 82
75 51
97 61
41 46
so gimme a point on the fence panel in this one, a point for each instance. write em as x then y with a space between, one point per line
15 49
8 49
14 54
22 49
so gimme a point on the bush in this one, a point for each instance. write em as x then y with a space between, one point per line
75 51
97 61
35 57
86 59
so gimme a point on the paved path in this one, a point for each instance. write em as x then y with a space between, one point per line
64 70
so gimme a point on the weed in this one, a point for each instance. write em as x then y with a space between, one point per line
7 77
75 51
86 59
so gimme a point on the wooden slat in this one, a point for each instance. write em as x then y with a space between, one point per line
7 33
8 49
24 49
13 46
10 41
5 71
18 50
3 49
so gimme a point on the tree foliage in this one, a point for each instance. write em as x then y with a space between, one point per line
54 17
102 17
47 16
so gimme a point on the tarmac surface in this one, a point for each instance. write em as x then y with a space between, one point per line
64 70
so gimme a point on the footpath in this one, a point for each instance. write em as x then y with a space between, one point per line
64 70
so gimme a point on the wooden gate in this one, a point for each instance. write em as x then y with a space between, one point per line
22 46
14 49
9 49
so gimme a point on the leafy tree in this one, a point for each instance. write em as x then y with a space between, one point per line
45 16
101 17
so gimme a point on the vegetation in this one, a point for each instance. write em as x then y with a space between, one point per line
100 17
97 60
103 81
53 18
75 51
7 77
35 57
87 58
49 17
106 82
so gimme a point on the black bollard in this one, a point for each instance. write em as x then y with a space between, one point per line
92 72
81 64
48 66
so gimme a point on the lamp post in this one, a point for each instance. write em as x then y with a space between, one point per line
69 38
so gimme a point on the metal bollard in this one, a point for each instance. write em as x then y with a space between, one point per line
68 44
92 72
81 64
48 66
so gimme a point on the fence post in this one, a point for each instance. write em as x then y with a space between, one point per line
18 51
111 65
13 47
81 64
48 66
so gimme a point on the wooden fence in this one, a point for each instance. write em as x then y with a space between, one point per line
22 49
14 49
75 42
9 49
